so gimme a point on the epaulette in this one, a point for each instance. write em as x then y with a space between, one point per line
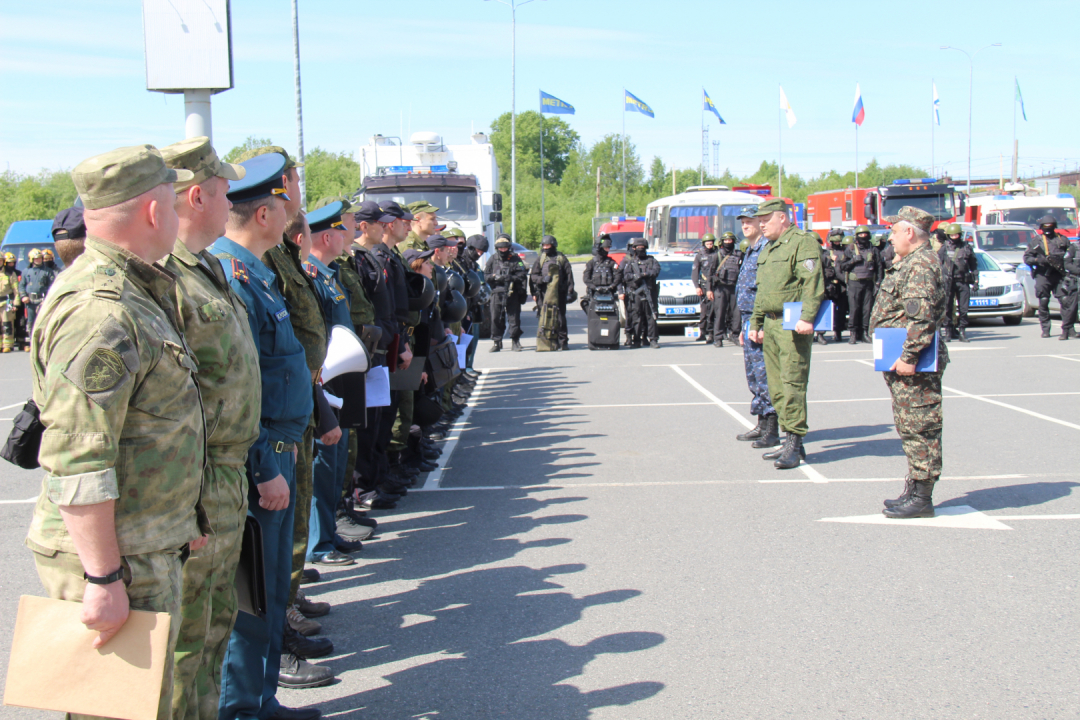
240 271
311 270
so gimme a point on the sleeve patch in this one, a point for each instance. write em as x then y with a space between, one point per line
911 307
810 264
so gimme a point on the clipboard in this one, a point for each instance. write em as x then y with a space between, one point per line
408 379
53 666
822 323
889 346
251 573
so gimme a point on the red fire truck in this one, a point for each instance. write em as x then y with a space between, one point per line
867 206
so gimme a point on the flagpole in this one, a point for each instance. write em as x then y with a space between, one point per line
1016 84
543 226
933 121
780 151
701 179
624 151
856 156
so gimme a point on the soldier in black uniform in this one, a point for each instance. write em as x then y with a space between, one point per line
702 270
960 273
601 274
640 291
1069 292
836 280
862 266
549 265
1046 258
507 276
721 290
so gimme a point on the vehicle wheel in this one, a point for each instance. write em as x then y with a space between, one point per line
1012 319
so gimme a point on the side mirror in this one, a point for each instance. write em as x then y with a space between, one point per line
496 201
870 208
962 205
495 216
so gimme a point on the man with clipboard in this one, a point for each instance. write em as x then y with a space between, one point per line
912 296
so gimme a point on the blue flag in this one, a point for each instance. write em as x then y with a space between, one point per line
632 103
552 104
712 108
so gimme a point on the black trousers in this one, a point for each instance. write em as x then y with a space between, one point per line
505 311
1044 288
642 321
708 317
723 305
958 296
1069 304
840 312
860 304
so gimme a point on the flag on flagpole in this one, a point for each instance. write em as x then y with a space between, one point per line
1020 99
786 107
632 103
858 114
937 105
552 104
712 108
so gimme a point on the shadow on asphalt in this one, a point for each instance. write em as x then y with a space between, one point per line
833 447
1014 496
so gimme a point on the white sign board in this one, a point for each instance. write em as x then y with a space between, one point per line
188 45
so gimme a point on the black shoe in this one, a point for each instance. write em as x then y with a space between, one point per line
654 344
496 346
792 453
305 713
836 336
311 608
1046 331
295 673
303 647
852 340
962 336
755 432
564 346
909 487
345 546
819 338
919 505
515 346
335 559
770 434
1064 336
867 339
310 575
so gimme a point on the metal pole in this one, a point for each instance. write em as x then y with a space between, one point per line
1016 84
971 86
933 120
597 191
780 151
197 114
299 104
543 225
701 178
624 151
856 156
513 123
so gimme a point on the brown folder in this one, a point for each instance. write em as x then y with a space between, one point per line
53 666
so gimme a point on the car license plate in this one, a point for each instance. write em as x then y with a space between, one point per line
679 310
983 302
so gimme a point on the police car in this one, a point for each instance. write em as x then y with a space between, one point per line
1000 294
679 302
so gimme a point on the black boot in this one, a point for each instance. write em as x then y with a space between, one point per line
770 433
819 338
1046 330
852 339
963 335
792 453
909 487
755 432
303 647
919 505
496 345
515 346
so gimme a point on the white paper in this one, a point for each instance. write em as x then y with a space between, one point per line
604 332
879 349
787 315
692 332
377 387
461 351
334 400
466 338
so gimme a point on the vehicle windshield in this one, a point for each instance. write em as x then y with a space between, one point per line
453 203
687 224
993 240
940 206
986 263
619 240
1066 217
675 270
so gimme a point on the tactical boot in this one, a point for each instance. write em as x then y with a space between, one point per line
300 623
1046 330
963 335
755 432
819 338
496 345
852 339
919 505
515 346
836 336
909 487
301 646
770 434
310 608
866 337
793 452
295 673
719 342
654 344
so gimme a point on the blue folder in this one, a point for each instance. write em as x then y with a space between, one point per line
823 322
889 345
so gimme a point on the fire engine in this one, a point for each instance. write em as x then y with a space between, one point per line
1016 206
867 206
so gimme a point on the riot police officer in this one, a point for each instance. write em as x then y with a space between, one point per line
836 280
1046 257
507 276
704 265
640 292
960 272
721 290
1069 292
552 267
862 265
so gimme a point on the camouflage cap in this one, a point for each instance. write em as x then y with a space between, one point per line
346 203
290 162
198 155
770 206
454 232
913 216
421 206
119 175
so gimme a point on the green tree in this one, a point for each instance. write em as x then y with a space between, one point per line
250 143
559 140
328 174
34 197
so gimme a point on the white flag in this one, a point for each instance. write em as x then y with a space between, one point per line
937 104
786 107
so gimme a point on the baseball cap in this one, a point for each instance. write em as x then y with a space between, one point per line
198 155
116 176
770 206
369 211
412 254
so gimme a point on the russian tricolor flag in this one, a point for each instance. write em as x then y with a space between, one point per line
858 114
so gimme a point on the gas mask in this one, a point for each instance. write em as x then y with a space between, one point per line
641 252
550 251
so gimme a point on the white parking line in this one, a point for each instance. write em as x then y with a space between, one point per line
434 477
581 407
19 502
1064 357
893 479
8 407
1032 413
1036 517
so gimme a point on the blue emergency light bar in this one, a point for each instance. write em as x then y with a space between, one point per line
624 218
421 169
915 181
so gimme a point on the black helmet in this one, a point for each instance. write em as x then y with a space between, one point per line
455 282
472 284
639 242
604 241
478 242
454 307
421 291
549 240
440 279
837 233
1048 220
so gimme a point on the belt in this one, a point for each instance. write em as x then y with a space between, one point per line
281 446
774 316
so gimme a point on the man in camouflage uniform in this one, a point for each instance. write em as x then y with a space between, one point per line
216 328
789 270
123 447
424 223
9 302
912 296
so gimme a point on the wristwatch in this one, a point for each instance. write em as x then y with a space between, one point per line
112 577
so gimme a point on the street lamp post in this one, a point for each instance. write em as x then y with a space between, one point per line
971 81
514 5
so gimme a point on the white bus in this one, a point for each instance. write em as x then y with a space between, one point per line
677 223
1026 209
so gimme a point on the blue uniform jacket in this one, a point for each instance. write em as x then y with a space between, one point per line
286 383
746 288
332 295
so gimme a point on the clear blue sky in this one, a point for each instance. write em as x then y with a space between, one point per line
72 78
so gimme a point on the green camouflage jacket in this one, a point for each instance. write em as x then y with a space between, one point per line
912 296
305 311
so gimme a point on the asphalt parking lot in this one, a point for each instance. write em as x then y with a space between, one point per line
599 546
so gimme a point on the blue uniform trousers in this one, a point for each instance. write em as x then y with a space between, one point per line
249 674
329 469
754 361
